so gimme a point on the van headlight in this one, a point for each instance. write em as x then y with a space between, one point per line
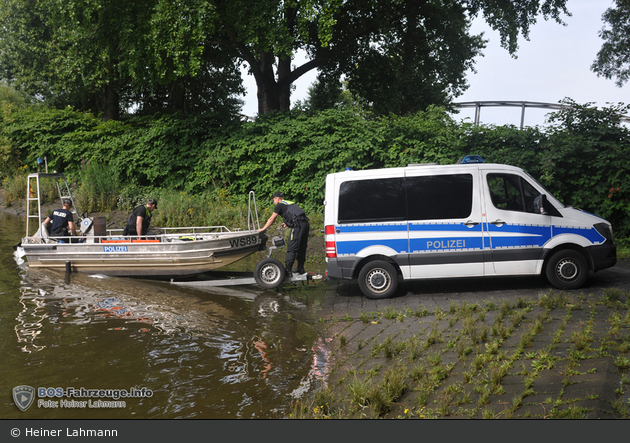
605 230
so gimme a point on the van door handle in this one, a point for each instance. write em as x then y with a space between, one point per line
498 222
470 223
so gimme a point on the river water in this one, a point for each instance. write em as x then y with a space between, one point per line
233 352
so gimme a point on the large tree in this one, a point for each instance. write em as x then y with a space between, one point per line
613 59
411 52
421 58
103 54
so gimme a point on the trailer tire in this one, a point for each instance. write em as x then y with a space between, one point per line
567 269
378 279
269 273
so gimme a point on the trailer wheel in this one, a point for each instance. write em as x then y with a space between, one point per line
269 273
378 279
567 269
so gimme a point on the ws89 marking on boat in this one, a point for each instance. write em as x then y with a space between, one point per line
243 241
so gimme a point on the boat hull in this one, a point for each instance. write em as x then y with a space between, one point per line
168 257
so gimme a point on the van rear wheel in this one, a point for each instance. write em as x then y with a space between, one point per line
378 279
567 269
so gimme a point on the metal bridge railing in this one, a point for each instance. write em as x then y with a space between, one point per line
515 104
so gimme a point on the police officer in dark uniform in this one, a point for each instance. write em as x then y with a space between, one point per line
61 220
140 218
293 217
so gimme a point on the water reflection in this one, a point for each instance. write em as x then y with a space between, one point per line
220 353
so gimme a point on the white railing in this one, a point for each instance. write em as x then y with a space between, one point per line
515 104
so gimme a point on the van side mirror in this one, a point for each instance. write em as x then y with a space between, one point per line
541 206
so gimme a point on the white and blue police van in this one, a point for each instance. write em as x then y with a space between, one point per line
473 219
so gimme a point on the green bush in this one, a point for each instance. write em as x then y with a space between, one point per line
195 161
15 188
98 187
211 208
14 185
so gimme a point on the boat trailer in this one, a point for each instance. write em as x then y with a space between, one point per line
269 273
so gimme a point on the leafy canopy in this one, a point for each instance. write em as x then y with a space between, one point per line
110 56
613 59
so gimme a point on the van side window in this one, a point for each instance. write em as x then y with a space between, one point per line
440 197
372 200
511 192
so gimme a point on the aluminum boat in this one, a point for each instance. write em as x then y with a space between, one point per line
163 252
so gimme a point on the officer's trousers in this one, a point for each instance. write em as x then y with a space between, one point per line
296 247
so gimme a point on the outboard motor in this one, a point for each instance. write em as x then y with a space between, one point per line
86 225
93 228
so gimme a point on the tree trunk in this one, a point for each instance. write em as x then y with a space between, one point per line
178 97
268 99
111 104
284 84
276 95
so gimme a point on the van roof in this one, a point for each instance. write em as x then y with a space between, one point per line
426 167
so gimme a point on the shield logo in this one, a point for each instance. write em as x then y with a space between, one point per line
23 397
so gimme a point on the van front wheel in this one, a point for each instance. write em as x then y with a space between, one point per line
567 269
378 279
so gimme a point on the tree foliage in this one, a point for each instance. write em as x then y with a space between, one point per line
416 55
400 55
154 55
613 59
587 160
109 55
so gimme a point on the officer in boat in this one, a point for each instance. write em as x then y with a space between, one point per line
62 222
293 217
140 218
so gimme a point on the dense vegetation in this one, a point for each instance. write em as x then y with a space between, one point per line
581 157
147 56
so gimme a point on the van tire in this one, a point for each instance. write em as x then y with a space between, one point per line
269 273
567 269
378 279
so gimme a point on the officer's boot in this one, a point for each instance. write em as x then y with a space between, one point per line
300 268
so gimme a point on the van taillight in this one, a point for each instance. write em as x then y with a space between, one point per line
331 247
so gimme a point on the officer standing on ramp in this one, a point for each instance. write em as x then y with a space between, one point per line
293 217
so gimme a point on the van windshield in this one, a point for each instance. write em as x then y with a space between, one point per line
550 196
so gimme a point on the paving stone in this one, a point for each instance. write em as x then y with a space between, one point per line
513 380
548 384
595 387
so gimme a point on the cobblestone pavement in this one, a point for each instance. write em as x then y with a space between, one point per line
481 348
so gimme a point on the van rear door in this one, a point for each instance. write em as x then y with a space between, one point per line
445 230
